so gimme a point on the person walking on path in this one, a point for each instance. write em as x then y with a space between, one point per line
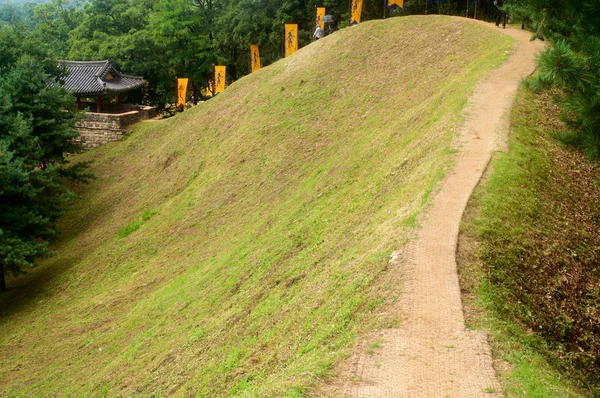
319 33
500 14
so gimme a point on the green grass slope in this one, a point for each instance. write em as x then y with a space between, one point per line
236 249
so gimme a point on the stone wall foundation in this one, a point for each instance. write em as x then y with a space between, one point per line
100 128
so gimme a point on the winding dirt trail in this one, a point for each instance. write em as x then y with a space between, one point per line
432 354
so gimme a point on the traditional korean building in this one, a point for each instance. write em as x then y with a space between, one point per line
98 80
99 88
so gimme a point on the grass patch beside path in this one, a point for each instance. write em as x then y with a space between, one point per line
529 259
277 206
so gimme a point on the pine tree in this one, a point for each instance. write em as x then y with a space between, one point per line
571 62
36 130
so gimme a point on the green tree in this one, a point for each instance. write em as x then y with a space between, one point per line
53 21
36 130
184 41
157 39
10 13
571 62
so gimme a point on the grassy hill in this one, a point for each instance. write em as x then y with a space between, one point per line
237 249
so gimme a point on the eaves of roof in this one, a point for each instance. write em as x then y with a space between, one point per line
89 78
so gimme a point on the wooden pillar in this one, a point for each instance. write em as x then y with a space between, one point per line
78 103
350 12
120 102
99 104
282 46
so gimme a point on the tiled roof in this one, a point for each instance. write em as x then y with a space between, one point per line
97 78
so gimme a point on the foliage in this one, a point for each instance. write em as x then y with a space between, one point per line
571 63
53 21
36 129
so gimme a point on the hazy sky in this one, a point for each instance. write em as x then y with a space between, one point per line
22 1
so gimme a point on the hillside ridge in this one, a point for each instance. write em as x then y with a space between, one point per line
237 248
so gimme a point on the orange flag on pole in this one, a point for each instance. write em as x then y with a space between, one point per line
356 11
320 15
255 57
291 39
395 4
219 79
181 92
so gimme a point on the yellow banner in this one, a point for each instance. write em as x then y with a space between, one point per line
395 4
356 11
181 92
291 39
219 79
320 15
255 57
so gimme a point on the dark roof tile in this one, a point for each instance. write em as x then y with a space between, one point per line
90 78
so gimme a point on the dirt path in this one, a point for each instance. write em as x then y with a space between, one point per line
432 354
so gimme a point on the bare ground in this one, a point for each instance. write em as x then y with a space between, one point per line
432 354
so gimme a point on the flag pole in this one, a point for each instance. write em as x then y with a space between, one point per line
214 81
384 8
315 20
475 15
283 40
350 12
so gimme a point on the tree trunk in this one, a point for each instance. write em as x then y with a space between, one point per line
2 281
194 94
233 66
